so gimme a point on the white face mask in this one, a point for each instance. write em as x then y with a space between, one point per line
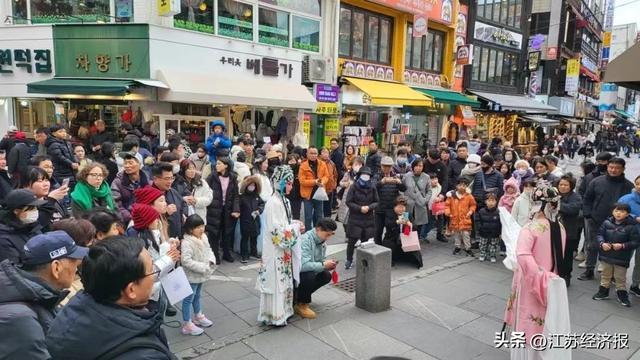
365 177
251 187
32 216
176 169
472 165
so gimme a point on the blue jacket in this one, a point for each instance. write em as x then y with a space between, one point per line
625 233
633 200
224 143
313 252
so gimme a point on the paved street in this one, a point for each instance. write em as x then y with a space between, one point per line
448 310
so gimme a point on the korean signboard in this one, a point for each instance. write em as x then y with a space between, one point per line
419 25
264 66
102 51
168 7
573 75
464 55
534 60
491 34
331 130
25 60
326 93
323 108
410 6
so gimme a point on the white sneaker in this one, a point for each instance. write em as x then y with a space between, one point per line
482 258
202 321
580 257
583 265
493 260
190 328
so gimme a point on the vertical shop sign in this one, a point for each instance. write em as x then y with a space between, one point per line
306 127
573 75
419 25
331 130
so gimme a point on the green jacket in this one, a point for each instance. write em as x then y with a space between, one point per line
313 252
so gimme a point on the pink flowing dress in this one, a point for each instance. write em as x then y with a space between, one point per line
527 303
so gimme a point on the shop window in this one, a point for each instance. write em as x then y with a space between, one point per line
365 35
273 27
19 11
69 11
484 57
195 15
475 73
426 51
235 19
124 10
506 12
33 113
491 72
494 66
499 62
306 34
311 7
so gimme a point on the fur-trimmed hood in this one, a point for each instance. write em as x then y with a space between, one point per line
248 181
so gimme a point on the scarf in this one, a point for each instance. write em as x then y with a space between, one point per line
83 194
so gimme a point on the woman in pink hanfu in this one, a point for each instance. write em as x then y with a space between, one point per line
539 252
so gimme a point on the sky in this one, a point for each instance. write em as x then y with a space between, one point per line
628 13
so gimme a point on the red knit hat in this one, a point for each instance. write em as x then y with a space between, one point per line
143 215
147 195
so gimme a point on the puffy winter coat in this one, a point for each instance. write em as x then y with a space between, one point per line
175 219
633 200
83 320
18 157
418 194
217 209
250 201
489 225
570 212
196 258
457 208
14 234
27 307
220 148
62 156
483 182
122 189
601 194
373 162
587 179
313 252
388 192
441 171
356 199
455 168
625 233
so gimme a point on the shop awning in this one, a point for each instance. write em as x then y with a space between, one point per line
571 120
624 70
516 103
79 86
542 121
449 97
207 88
389 93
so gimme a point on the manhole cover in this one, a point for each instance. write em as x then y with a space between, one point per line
348 285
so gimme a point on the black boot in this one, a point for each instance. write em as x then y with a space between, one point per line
171 311
602 294
456 251
623 298
587 275
228 258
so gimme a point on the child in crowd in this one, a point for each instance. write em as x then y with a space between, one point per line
618 237
251 206
459 207
489 228
522 206
396 226
522 173
199 263
511 193
436 210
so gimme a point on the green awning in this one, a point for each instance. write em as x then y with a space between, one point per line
82 87
449 97
623 114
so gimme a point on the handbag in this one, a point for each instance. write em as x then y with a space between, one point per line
488 190
321 194
410 242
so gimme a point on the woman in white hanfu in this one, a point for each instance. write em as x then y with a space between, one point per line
275 278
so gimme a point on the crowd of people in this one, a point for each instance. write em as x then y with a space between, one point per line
96 228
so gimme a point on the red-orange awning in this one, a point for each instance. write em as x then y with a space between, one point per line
590 74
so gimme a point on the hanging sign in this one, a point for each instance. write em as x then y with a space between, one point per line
534 60
168 7
324 108
419 25
306 127
464 55
331 130
573 75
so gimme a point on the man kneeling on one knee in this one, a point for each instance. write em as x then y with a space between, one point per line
315 271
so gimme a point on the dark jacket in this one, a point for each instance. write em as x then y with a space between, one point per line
175 219
387 193
111 165
51 212
82 321
79 212
602 193
548 177
441 171
357 197
493 180
181 186
570 217
455 168
489 225
27 307
18 157
100 138
5 184
14 234
373 162
625 233
586 180
250 202
122 189
216 210
62 156
338 158
392 241
295 191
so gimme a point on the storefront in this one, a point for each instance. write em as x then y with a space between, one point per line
517 119
26 55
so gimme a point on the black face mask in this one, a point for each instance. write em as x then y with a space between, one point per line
602 168
486 168
274 162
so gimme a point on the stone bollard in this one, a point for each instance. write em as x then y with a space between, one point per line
373 278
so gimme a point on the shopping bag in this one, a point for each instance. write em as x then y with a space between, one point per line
176 285
438 208
321 195
510 232
334 276
410 242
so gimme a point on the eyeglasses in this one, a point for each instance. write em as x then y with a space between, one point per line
155 274
96 175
